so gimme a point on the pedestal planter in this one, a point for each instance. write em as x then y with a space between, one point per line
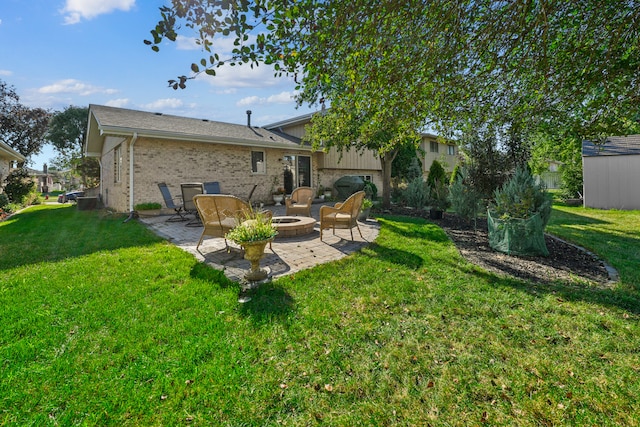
253 252
278 198
364 214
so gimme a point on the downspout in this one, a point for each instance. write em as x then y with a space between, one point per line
132 213
101 182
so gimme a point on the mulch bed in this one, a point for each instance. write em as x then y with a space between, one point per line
566 262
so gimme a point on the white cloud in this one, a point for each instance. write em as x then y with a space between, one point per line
76 10
186 43
165 103
250 100
280 98
119 103
5 73
74 86
242 76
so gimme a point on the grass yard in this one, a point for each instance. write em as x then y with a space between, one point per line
103 323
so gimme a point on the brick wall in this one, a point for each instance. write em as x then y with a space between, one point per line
175 162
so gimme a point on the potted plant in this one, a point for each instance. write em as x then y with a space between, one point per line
438 199
327 192
438 190
276 191
148 208
518 215
365 209
253 234
278 196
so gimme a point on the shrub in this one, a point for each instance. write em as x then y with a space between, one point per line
521 197
439 196
4 201
436 174
19 185
571 175
457 173
465 200
148 206
371 190
417 193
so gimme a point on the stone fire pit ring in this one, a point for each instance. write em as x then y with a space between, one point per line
291 226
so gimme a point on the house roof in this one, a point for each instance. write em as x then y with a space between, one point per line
112 121
614 146
10 154
305 118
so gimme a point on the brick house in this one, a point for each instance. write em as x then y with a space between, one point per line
138 149
8 158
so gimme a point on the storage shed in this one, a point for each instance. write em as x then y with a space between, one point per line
611 173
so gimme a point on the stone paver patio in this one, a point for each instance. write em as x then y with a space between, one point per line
287 256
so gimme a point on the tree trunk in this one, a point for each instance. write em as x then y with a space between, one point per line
386 160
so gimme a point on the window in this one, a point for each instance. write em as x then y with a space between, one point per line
451 150
117 164
433 146
365 177
258 164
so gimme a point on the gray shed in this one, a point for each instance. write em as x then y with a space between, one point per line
611 173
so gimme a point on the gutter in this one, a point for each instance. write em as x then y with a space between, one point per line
132 213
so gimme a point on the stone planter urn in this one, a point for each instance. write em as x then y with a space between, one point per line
253 252
278 198
364 214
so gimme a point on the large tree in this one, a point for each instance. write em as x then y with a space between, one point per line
22 128
67 132
545 64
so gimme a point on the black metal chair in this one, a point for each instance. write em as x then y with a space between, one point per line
189 190
179 214
212 187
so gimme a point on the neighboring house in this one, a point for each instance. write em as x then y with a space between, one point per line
8 160
552 178
137 150
43 179
334 164
611 173
48 180
434 149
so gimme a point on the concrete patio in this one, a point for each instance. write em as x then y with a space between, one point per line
287 256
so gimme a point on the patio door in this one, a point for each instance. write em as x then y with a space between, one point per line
301 168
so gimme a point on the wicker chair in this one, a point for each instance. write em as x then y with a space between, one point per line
300 201
220 213
342 215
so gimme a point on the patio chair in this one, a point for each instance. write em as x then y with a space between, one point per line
300 201
179 214
212 187
189 190
220 213
342 215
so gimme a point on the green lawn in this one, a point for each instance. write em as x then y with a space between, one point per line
105 324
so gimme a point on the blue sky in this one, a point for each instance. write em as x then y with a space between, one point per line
58 53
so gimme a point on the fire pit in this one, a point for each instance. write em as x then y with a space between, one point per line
291 226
